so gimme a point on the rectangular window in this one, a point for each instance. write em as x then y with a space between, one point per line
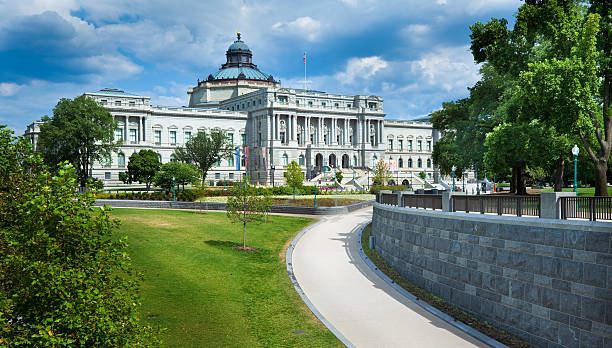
419 145
132 103
103 101
231 176
157 134
390 146
372 105
297 102
230 162
118 134
187 137
217 176
121 160
400 145
323 103
348 105
336 104
172 137
282 99
409 145
117 102
230 138
428 145
132 136
310 102
107 175
282 137
243 136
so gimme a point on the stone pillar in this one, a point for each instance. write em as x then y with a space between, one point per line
269 127
447 202
307 130
549 204
125 129
334 139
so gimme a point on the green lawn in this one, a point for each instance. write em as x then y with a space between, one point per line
356 197
208 294
582 191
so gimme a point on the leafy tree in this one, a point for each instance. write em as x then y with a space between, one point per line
339 176
381 174
205 150
66 280
245 206
80 132
142 166
294 176
183 173
422 175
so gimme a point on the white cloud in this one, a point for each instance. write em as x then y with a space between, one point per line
441 2
361 68
451 68
306 27
110 67
417 29
8 89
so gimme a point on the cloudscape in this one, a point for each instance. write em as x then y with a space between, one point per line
415 54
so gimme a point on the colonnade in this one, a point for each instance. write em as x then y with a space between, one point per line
140 129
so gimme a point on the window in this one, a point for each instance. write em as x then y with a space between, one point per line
336 104
231 176
390 145
282 99
159 158
419 145
217 176
285 159
230 162
400 145
428 163
429 145
243 136
310 103
172 137
372 105
354 161
348 105
230 138
248 104
107 162
409 145
429 176
157 135
243 161
121 159
400 163
301 160
410 163
107 175
132 103
187 137
118 134
132 136
117 102
103 101
282 137
323 103
419 163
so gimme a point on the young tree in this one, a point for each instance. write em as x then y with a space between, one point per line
339 177
66 278
80 132
381 174
205 150
142 166
183 173
244 206
294 176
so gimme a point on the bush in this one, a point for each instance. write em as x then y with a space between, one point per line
225 183
376 188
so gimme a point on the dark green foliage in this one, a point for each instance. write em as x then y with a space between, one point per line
294 176
66 280
205 150
183 174
142 166
225 183
339 176
377 188
80 132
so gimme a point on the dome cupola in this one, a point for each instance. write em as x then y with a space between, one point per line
239 65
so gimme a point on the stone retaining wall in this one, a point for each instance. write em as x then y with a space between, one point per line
546 281
126 203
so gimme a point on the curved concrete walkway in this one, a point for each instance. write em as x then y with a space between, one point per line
359 304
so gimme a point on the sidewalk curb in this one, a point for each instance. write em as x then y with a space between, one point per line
447 318
296 285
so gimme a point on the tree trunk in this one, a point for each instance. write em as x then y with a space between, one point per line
513 180
601 185
244 234
559 174
521 178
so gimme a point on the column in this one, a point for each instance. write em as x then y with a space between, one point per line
269 128
276 123
144 130
294 126
125 130
382 126
367 131
333 131
346 135
307 130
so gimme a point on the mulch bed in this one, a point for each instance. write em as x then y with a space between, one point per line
247 248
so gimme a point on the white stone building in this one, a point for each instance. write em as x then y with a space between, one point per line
270 126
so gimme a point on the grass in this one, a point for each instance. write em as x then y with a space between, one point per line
582 191
205 293
435 301
335 199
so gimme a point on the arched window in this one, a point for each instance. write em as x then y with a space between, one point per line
230 162
172 158
121 159
354 161
428 163
400 163
410 163
301 160
285 159
159 158
243 161
419 163
374 160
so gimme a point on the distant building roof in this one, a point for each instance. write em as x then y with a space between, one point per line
115 91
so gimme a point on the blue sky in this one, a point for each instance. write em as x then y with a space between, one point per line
415 54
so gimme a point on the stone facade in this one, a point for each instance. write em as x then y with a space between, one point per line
546 281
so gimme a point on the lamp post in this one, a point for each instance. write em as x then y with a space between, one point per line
315 199
454 168
575 151
173 192
272 169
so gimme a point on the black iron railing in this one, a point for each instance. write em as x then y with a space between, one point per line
498 204
388 198
592 208
423 201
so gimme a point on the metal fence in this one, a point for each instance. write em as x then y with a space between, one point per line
498 204
592 208
388 198
422 201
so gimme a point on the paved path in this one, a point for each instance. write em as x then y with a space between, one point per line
358 303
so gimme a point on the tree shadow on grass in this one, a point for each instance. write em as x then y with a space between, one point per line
222 243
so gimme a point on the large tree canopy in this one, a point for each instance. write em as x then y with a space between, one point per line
80 132
205 150
142 167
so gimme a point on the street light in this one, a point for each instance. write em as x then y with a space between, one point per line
575 151
272 169
454 168
173 193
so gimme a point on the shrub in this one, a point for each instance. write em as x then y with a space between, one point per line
376 188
